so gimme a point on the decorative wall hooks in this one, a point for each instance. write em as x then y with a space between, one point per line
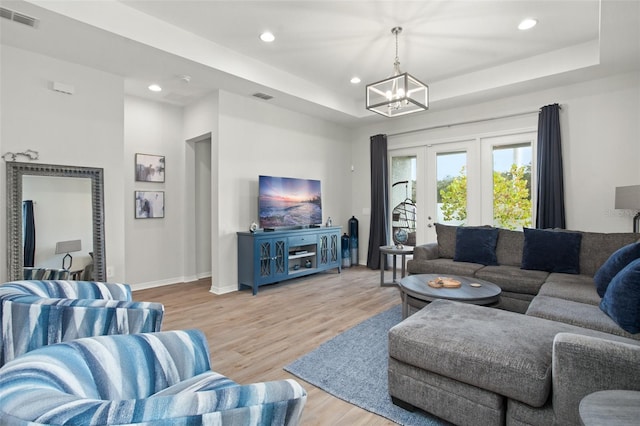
28 154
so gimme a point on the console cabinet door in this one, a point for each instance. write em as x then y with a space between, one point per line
329 255
272 255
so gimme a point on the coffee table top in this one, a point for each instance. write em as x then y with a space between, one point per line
610 407
417 287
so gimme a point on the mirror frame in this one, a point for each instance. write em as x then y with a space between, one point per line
15 250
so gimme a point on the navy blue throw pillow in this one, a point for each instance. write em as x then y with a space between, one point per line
476 245
616 262
622 299
551 251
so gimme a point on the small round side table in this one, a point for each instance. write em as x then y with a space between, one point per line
394 251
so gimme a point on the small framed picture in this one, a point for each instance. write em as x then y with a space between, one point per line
149 204
149 168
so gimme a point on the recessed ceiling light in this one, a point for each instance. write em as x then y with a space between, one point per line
355 80
267 37
155 88
527 24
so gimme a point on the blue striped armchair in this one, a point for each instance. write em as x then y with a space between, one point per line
151 378
38 313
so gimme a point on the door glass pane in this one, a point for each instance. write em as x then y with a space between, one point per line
512 186
403 200
451 175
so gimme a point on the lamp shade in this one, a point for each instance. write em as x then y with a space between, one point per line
628 197
398 95
68 246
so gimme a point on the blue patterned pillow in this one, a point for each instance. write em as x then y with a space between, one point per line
616 262
622 298
476 245
551 251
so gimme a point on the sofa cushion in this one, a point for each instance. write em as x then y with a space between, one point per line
509 247
614 264
575 313
579 288
514 279
446 240
596 248
515 302
551 251
444 267
476 245
622 299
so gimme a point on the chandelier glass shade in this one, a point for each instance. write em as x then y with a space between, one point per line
399 94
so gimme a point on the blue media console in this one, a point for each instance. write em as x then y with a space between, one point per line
270 257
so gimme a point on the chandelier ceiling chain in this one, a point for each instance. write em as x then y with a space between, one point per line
396 64
399 94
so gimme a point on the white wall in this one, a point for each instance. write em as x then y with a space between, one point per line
200 127
600 140
84 129
202 207
245 138
255 139
153 247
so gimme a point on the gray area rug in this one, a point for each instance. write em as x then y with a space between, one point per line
353 367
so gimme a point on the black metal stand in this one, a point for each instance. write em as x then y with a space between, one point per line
64 260
636 220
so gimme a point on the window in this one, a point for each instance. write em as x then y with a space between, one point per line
512 186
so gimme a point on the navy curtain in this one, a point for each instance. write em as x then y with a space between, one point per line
379 226
550 208
28 233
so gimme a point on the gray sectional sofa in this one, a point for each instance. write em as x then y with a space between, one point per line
529 363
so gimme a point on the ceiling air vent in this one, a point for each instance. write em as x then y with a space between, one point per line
18 17
263 96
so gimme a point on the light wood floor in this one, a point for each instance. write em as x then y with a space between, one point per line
252 338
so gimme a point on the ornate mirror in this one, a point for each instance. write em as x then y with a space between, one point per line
16 173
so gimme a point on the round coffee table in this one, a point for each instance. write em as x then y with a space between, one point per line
415 291
610 407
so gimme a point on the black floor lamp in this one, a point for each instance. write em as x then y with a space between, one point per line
628 198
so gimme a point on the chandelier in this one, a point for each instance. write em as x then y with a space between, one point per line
399 94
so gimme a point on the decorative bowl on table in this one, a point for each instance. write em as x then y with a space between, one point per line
445 282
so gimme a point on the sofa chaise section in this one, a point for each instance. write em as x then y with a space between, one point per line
463 362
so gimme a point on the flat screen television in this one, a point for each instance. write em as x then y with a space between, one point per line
289 202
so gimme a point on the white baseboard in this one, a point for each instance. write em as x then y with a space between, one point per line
179 280
223 289
161 283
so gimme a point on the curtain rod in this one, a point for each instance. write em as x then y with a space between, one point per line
459 123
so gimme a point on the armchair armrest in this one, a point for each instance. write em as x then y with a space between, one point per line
67 289
426 252
32 322
582 365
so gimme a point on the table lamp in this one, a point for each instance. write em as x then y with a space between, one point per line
68 247
628 198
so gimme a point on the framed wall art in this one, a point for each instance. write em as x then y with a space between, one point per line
149 168
149 204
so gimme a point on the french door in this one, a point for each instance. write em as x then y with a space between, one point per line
483 180
452 186
406 195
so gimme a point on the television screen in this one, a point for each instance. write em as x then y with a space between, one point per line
289 202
